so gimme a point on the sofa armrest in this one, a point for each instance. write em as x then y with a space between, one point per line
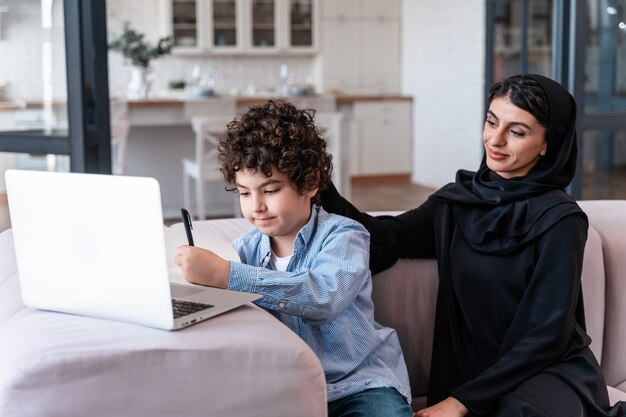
608 218
240 363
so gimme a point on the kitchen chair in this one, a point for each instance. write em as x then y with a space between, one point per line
205 165
120 125
209 117
330 126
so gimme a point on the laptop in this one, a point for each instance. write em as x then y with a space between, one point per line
94 245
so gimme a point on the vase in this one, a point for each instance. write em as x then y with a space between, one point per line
140 82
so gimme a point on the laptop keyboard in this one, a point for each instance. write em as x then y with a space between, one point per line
183 308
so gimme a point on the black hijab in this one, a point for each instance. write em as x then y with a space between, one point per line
497 215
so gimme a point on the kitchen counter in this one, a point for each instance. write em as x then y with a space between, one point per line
244 101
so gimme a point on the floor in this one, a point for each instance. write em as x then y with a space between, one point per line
389 197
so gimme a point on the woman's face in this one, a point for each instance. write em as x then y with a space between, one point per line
514 140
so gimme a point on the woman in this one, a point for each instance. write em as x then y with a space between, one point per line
509 327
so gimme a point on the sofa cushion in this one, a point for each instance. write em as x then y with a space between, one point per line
404 297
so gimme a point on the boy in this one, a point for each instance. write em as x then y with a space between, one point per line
310 266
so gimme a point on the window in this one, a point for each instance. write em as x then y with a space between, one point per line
521 36
54 104
583 45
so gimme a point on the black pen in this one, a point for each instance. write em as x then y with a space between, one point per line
187 223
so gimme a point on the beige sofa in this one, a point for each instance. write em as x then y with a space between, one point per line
245 362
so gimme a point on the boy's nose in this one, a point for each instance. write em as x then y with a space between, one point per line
258 204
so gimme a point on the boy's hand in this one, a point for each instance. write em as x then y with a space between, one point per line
201 266
450 407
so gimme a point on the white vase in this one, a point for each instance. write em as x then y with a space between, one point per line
140 82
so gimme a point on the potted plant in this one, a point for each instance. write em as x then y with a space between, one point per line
139 53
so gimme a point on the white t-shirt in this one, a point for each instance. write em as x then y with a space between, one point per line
278 264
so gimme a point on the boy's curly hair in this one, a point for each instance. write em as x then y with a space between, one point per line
276 135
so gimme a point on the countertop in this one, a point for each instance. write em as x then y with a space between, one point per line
241 101
251 100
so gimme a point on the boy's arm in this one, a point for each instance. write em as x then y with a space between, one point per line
335 270
203 267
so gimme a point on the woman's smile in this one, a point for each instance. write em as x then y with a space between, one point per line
495 155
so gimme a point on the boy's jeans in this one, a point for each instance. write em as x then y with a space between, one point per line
371 403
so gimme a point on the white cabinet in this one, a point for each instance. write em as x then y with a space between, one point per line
360 45
182 18
341 63
221 26
242 26
380 138
340 9
301 19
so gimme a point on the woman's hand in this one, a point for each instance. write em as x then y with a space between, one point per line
201 266
450 407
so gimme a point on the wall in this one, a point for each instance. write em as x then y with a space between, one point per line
443 69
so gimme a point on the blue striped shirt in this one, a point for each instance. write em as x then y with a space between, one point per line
326 295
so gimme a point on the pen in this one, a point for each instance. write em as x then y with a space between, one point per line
187 223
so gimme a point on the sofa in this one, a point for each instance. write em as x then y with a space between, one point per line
245 362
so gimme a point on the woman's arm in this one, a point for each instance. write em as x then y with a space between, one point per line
544 322
409 235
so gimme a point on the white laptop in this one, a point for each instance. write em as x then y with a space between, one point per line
94 245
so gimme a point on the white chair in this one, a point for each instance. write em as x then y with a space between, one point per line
205 166
120 126
209 117
330 125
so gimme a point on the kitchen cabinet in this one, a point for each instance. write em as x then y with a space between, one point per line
360 45
380 138
242 26
301 21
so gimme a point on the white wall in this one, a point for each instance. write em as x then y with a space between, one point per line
443 69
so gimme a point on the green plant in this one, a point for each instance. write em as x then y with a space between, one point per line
135 49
